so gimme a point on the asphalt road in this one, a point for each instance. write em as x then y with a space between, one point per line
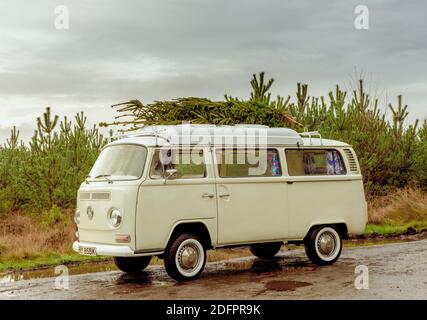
396 271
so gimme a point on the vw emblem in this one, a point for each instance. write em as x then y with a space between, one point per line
89 212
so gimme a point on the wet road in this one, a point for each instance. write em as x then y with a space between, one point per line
396 271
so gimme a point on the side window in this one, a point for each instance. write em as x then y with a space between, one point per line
189 164
314 162
237 163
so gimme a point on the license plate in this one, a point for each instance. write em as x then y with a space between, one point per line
87 251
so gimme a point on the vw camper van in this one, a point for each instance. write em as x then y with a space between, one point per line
177 191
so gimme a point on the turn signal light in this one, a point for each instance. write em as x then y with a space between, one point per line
122 238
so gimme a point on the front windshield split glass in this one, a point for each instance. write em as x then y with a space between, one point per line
120 162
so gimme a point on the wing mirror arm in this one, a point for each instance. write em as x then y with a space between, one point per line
168 174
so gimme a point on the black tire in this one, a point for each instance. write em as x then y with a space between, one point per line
265 250
185 257
326 251
132 265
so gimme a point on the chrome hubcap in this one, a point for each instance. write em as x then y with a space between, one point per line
188 257
326 244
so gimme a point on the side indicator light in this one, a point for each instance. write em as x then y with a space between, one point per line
122 238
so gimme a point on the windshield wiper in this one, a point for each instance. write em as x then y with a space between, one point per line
104 176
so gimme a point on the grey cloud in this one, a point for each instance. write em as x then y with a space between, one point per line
163 49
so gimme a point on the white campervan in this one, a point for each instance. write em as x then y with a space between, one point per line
176 191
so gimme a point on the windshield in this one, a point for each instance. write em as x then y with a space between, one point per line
119 162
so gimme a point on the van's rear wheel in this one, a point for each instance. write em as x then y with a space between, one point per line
132 265
265 250
323 246
185 257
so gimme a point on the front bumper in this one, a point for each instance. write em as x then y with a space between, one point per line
105 249
113 250
110 250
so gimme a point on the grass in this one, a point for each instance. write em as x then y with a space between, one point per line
399 207
46 260
395 230
28 242
397 212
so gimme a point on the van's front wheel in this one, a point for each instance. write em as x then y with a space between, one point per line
323 246
132 265
265 250
185 257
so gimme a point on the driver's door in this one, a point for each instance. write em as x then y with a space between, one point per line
189 195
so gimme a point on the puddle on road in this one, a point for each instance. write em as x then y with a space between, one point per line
283 285
244 265
254 266
279 264
13 276
144 278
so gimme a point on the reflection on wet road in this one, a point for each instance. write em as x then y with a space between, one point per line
396 271
99 266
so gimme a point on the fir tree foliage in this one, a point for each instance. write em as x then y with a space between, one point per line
47 172
391 152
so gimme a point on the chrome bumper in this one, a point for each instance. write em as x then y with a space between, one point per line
110 250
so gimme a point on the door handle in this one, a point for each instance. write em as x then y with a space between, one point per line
225 195
207 195
289 182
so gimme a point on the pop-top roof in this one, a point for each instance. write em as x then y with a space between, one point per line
237 135
212 134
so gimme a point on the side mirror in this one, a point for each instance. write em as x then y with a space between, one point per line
170 173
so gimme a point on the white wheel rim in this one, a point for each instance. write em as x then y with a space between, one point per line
327 244
190 257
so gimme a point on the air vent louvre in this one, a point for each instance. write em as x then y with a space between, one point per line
351 161
84 195
101 196
94 196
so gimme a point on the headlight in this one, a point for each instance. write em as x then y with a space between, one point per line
114 217
77 216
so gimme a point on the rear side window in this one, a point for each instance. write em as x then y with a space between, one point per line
189 164
238 163
314 162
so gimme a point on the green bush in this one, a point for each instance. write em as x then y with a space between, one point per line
53 216
46 173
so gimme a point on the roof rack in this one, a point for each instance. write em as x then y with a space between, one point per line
153 132
213 134
312 134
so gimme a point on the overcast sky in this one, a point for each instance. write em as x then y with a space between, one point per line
153 50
